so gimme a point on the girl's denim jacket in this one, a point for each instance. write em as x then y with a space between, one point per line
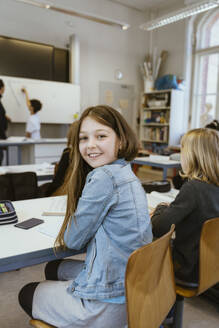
112 220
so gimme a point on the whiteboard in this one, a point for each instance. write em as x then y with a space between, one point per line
60 100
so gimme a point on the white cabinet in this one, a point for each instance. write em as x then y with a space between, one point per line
46 151
161 119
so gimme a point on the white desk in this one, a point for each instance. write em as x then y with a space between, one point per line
43 171
158 161
20 248
35 151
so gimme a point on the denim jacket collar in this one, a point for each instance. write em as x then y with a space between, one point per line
120 161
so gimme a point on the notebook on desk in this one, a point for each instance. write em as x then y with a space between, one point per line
56 207
155 198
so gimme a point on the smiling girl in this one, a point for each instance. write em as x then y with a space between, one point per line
107 213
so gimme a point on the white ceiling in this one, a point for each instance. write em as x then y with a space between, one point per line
144 5
27 22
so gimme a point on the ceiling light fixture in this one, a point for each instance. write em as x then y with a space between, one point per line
97 19
180 14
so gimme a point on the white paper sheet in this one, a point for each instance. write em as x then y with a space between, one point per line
155 198
51 227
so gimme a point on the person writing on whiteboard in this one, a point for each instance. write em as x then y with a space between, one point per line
33 122
4 119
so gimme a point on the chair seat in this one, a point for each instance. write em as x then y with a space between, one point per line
186 292
39 324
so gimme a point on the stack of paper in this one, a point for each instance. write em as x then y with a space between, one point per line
56 207
159 158
155 198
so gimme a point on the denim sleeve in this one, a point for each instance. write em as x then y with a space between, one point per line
92 209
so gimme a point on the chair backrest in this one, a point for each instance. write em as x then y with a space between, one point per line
18 186
24 185
150 285
209 255
6 190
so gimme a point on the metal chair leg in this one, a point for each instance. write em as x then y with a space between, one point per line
178 315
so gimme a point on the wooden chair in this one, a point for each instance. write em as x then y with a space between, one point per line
208 268
150 286
18 186
39 324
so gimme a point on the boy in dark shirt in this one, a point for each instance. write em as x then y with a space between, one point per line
4 119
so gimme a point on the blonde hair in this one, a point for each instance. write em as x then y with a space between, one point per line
79 168
200 150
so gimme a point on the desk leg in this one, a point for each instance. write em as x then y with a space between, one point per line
164 173
19 154
135 168
7 156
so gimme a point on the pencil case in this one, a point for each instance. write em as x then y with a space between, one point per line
157 185
7 213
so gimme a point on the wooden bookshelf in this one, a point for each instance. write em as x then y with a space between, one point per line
161 119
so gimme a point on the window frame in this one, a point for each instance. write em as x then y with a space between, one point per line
198 53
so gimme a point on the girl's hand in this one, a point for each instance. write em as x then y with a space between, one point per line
151 212
158 207
8 118
164 204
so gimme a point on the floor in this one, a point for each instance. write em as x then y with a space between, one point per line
198 312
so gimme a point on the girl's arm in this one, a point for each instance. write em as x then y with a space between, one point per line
93 205
8 118
164 216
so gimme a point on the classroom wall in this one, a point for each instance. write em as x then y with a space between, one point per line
172 38
102 49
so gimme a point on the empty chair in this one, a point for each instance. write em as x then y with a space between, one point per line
18 186
208 268
150 286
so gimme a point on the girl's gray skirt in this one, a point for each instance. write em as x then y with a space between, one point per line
54 305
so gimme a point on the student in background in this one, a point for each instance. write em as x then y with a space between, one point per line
213 292
4 119
213 125
197 201
177 179
107 213
33 122
58 186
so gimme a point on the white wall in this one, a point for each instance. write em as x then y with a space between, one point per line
172 38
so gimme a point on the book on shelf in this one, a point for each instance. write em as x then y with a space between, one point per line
156 133
156 116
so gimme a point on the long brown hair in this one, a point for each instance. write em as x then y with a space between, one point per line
71 135
79 168
200 150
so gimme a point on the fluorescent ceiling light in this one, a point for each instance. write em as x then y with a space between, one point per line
180 14
97 19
